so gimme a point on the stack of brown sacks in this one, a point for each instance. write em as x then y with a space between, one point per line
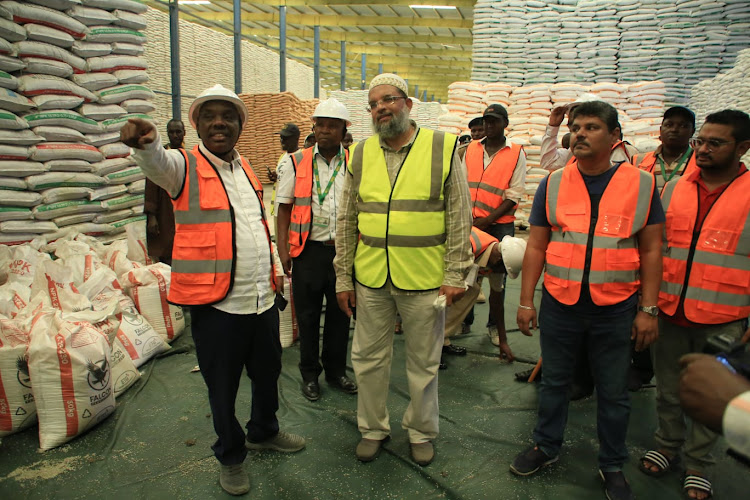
267 114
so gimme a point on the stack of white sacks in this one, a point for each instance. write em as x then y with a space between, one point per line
522 42
75 330
640 106
71 74
728 90
426 114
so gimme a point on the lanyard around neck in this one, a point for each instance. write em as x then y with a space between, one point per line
677 167
322 196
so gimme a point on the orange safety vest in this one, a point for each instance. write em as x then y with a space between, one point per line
615 261
487 186
648 163
619 144
301 217
707 267
480 241
203 256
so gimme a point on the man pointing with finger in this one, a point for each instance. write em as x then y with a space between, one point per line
596 231
223 267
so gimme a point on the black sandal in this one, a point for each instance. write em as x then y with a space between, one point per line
660 460
693 482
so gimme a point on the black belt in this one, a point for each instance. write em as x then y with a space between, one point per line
328 243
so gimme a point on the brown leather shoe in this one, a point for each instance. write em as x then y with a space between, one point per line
369 449
422 453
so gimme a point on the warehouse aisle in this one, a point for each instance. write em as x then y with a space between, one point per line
156 445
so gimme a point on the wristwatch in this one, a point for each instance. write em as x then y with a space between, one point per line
650 310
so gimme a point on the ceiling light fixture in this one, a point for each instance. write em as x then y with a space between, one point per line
436 7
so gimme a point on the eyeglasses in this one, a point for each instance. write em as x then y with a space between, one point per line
712 144
386 101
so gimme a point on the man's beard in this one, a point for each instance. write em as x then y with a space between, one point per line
397 125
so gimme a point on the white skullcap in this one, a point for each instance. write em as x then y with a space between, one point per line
390 79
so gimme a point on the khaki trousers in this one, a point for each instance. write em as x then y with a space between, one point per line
372 354
673 433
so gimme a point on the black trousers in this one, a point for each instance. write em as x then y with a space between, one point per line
313 278
225 344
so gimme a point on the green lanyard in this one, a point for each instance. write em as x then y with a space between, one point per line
682 160
322 196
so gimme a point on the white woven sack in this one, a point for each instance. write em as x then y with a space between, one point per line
131 76
137 249
53 283
91 16
130 20
79 258
45 34
116 258
59 134
12 101
70 365
107 192
23 264
128 5
139 338
47 67
17 405
91 49
19 226
14 297
63 118
128 49
25 13
102 286
68 166
8 81
53 195
95 81
124 371
102 111
102 139
19 137
68 220
149 287
31 85
112 34
65 150
11 31
62 208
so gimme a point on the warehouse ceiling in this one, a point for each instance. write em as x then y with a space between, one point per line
429 46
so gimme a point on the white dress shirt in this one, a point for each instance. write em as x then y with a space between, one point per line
252 292
326 210
554 157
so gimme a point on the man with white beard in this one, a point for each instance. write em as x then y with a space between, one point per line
403 232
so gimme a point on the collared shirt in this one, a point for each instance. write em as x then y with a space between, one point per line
251 292
517 186
458 255
706 200
736 424
554 157
669 167
326 210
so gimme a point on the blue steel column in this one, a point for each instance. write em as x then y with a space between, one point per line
432 98
174 57
237 7
316 62
343 65
424 96
282 48
416 91
380 68
364 72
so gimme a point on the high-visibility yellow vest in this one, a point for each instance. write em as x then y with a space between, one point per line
402 228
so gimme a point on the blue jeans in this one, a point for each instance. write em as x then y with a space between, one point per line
608 340
498 231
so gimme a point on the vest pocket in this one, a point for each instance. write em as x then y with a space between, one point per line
212 195
678 230
559 257
194 258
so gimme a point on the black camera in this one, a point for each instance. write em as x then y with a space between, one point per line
730 352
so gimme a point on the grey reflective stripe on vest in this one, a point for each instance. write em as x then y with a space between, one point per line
743 245
194 214
202 266
357 157
404 241
671 288
477 242
714 297
381 207
484 206
436 184
297 227
488 187
603 242
553 190
303 202
643 202
595 277
296 158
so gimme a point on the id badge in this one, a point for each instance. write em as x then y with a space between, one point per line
320 221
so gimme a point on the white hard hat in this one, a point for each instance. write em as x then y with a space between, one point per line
216 93
332 108
512 249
